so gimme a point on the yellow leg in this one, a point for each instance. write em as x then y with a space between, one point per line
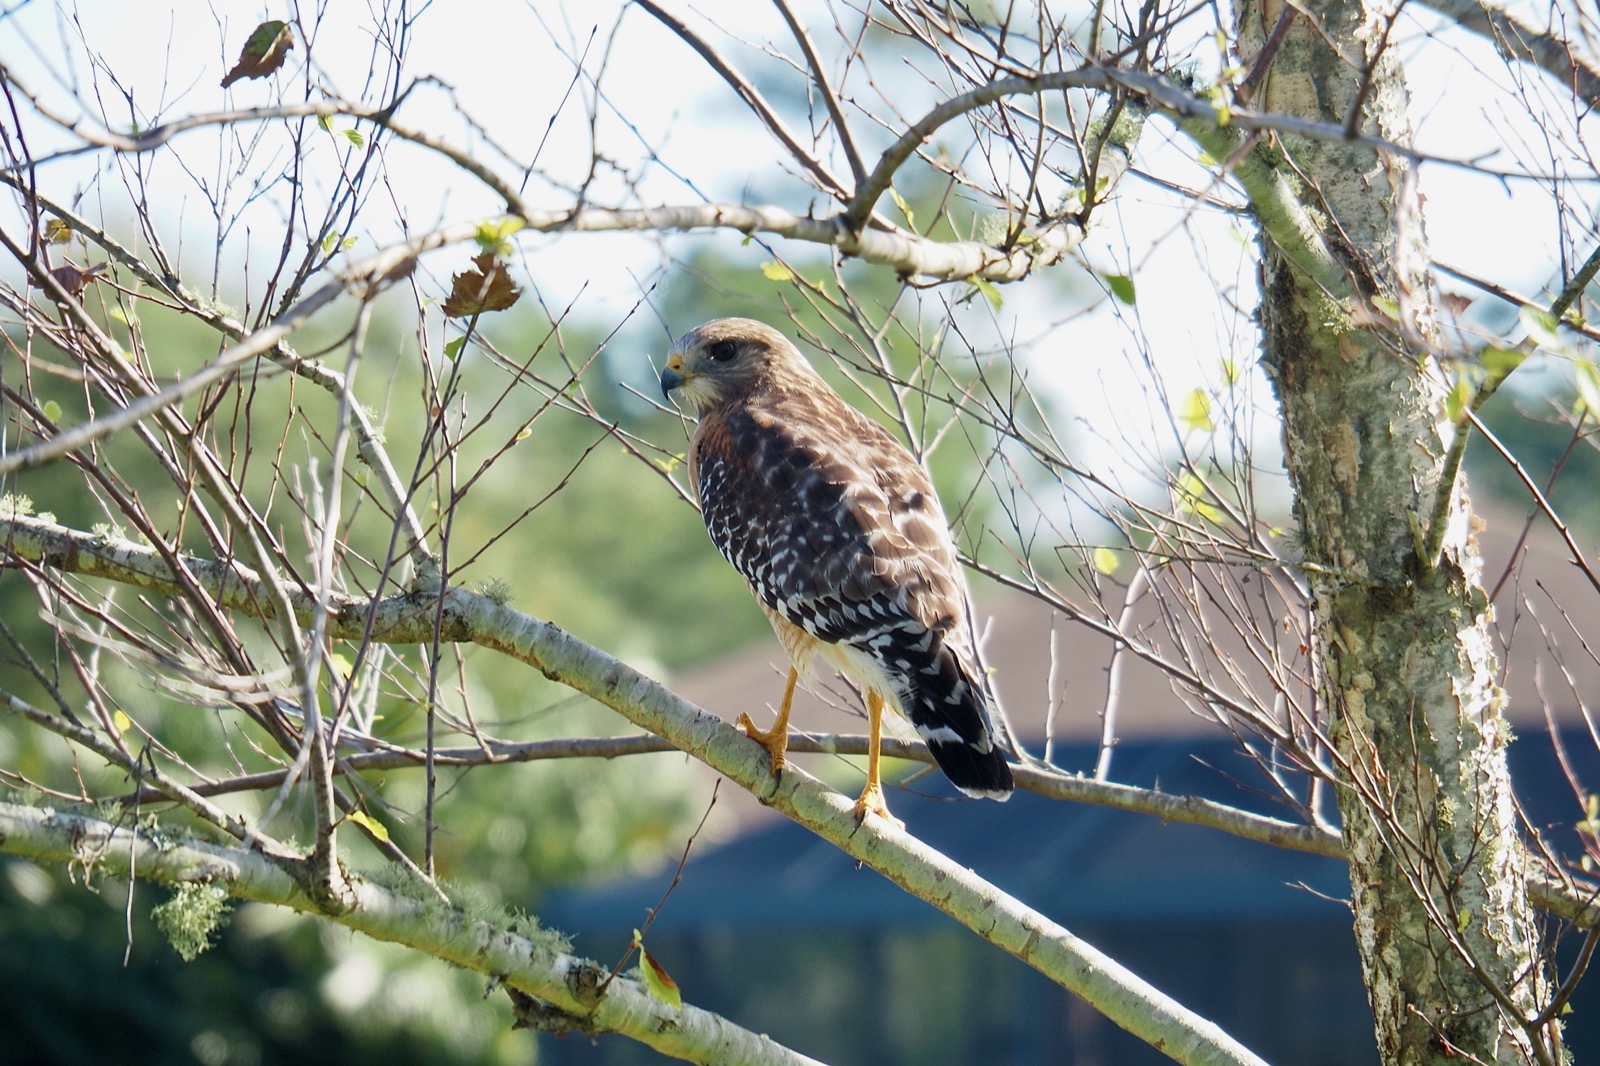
871 801
775 740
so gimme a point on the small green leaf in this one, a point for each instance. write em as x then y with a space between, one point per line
1588 381
51 411
776 271
656 979
370 824
341 665
1463 920
905 208
347 244
120 721
328 242
1232 372
1105 560
452 349
1195 411
1501 361
1387 308
325 122
1121 287
1541 325
354 137
493 236
1194 498
989 290
1459 398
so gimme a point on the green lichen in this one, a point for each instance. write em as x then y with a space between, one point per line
190 919
469 902
15 505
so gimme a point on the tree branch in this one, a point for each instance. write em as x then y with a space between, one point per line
470 618
1517 38
485 943
467 617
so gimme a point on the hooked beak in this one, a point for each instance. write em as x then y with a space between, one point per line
672 376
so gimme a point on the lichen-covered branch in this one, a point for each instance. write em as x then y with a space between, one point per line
500 948
464 616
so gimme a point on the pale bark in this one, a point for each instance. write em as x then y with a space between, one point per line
1438 873
484 943
465 616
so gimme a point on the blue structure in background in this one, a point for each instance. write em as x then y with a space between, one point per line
783 933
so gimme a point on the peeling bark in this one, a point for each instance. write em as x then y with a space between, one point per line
1446 935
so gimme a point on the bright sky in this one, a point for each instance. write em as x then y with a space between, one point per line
510 65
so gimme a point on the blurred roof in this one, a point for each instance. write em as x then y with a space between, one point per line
1080 864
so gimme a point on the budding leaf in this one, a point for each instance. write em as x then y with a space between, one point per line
1459 399
370 824
1105 560
493 237
1121 287
1588 382
776 271
989 289
1501 361
656 979
263 53
905 208
1195 412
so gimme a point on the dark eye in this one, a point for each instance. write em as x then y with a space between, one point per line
722 351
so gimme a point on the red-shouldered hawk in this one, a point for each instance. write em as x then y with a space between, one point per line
836 528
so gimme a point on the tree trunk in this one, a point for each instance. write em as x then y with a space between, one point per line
1448 944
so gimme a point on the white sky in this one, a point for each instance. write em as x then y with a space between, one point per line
503 69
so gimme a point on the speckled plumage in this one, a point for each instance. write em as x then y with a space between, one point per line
836 528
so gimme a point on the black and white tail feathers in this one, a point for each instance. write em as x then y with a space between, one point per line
948 700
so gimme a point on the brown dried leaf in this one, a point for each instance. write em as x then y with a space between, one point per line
486 287
263 53
76 279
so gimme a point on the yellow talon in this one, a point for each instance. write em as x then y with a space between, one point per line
776 739
872 801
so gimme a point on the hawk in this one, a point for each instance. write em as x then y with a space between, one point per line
836 529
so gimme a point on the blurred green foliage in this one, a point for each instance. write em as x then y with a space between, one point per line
89 979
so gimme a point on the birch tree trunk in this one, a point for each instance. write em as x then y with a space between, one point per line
1447 940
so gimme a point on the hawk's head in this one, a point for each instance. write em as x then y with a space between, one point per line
729 358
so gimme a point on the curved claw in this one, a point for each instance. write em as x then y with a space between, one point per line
872 802
775 741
